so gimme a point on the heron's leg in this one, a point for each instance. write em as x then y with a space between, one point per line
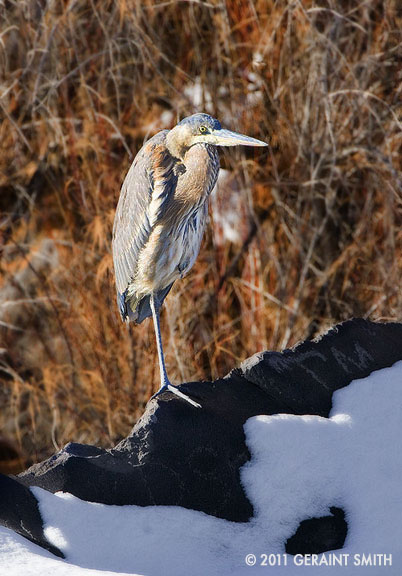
155 307
165 383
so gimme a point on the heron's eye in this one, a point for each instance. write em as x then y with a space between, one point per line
203 129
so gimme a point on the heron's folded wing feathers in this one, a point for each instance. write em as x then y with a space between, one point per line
149 184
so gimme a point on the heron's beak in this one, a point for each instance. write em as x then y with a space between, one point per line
227 138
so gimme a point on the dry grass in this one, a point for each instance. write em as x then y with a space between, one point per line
82 84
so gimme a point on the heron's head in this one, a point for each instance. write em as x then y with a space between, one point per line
203 129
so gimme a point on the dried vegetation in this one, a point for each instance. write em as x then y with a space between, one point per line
301 236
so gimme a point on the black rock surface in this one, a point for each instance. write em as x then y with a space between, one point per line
180 455
19 511
317 535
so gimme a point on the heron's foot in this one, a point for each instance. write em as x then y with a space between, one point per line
175 390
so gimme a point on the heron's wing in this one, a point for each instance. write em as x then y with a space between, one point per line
149 184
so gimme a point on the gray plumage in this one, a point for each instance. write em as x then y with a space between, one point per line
159 221
161 216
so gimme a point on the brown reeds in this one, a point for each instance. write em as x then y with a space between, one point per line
304 235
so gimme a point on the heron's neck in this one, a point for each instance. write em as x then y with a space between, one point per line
175 146
201 164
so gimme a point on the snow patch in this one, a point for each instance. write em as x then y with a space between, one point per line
199 96
229 209
352 460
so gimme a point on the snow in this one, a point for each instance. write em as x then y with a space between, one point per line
258 59
254 88
229 209
199 96
300 466
352 460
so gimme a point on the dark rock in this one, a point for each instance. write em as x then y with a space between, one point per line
303 379
179 455
19 511
318 535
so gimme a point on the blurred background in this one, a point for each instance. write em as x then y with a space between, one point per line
302 235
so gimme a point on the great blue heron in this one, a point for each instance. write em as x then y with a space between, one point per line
161 216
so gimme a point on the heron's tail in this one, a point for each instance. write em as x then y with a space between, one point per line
132 310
